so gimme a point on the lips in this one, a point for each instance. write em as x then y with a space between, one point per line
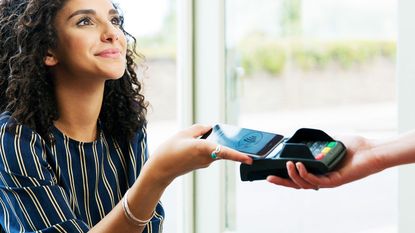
109 53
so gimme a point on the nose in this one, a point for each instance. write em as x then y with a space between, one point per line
110 33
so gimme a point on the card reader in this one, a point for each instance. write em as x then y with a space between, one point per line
314 148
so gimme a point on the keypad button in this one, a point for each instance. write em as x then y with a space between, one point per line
332 144
320 156
326 150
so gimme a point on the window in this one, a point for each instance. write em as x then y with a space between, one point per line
153 23
322 64
289 64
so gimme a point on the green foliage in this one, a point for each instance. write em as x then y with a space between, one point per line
388 49
156 47
161 45
271 57
308 58
291 17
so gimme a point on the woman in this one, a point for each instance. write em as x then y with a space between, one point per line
73 155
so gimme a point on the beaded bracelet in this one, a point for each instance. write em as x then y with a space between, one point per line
130 216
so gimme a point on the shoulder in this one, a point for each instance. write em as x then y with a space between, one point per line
11 129
140 135
136 144
21 148
5 117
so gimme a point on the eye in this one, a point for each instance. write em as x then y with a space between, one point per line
117 20
84 21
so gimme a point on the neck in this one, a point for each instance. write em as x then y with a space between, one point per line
79 106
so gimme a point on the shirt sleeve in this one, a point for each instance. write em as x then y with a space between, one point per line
30 198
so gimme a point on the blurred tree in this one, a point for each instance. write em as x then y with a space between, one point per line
162 45
168 31
291 18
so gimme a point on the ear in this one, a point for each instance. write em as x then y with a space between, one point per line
50 59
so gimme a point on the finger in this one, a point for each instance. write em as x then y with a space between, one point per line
231 154
318 181
197 130
328 180
296 178
284 182
302 171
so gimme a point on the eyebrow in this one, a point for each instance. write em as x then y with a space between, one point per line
91 12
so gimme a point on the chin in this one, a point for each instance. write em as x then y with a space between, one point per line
115 74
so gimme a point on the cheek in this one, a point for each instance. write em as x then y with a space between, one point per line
79 45
123 42
75 45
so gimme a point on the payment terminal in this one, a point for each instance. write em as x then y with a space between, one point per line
314 148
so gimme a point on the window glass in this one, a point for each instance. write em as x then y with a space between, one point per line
153 23
320 64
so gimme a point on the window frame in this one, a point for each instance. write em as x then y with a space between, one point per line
185 103
406 111
201 98
201 83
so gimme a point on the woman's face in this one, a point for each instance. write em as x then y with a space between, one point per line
90 41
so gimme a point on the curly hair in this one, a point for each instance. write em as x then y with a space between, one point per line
26 86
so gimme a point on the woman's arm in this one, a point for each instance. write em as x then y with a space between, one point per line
31 200
364 157
180 154
142 200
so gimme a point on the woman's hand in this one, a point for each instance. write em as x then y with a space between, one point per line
359 162
184 152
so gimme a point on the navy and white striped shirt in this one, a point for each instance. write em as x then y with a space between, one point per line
68 186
